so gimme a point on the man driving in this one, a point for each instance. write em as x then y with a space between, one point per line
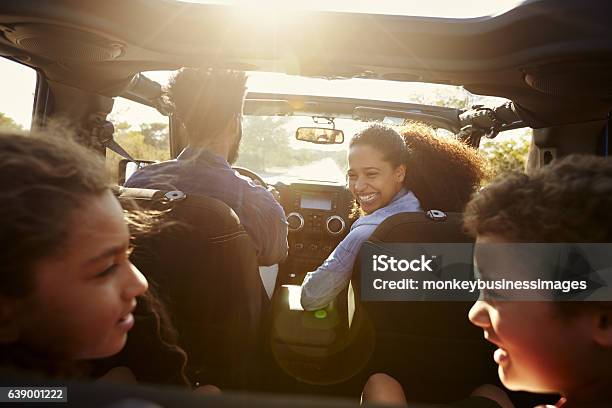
209 104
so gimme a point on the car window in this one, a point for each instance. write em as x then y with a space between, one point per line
507 152
18 85
141 130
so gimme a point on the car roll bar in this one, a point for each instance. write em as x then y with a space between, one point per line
147 92
370 113
488 122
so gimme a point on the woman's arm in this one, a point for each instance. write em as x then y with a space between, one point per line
321 286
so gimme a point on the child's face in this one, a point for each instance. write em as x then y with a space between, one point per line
83 298
373 180
539 349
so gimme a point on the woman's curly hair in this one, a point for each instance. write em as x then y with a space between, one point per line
442 172
566 201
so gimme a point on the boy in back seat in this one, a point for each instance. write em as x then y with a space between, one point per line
548 342
547 346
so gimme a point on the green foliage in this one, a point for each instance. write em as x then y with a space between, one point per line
150 142
155 134
8 124
267 144
506 156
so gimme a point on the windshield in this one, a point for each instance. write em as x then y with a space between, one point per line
269 148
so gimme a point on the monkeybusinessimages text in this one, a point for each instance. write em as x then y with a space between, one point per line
385 263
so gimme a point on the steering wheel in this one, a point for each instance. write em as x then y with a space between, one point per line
252 175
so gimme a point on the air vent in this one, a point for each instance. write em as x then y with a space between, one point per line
63 44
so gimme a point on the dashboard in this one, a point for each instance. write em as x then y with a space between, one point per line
318 217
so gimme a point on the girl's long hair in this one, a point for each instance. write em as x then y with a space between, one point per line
43 180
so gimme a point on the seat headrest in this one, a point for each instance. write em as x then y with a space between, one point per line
198 211
431 226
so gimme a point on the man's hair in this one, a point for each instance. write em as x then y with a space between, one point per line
566 201
207 100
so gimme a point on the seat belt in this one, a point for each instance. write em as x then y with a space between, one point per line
104 131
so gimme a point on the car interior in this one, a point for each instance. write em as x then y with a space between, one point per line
239 334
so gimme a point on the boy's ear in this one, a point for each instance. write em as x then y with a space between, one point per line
602 327
9 324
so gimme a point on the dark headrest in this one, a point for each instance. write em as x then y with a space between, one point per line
201 212
429 226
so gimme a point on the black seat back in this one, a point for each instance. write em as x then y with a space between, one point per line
430 347
204 267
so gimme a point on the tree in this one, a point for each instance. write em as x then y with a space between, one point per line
155 134
267 144
8 124
141 146
506 156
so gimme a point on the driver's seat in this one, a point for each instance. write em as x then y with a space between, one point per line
204 267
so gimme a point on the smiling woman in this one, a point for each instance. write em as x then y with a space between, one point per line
391 173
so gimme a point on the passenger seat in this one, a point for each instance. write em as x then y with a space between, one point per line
430 347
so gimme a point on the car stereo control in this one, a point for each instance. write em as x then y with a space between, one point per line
295 221
335 225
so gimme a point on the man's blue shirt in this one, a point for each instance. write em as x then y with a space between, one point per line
198 171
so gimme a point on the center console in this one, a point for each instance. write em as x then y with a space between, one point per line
318 217
307 345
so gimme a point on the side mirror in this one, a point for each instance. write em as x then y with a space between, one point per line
129 167
320 135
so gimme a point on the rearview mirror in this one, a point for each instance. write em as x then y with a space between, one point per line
320 135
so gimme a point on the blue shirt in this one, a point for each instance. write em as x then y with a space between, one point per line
321 286
198 171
